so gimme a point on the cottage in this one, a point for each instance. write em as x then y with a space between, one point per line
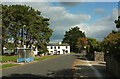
58 48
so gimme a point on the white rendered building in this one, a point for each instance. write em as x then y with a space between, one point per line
58 48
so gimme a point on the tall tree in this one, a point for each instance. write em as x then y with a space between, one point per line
0 28
25 24
5 25
71 37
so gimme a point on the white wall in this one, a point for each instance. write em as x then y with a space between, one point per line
61 49
6 51
36 51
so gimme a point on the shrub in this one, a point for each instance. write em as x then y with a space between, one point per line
111 43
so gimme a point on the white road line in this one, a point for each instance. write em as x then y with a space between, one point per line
97 73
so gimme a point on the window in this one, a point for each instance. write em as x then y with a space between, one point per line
66 51
58 52
66 47
51 47
55 47
58 47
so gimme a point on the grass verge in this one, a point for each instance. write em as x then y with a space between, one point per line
8 65
9 58
36 59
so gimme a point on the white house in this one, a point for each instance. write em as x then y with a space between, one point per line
58 48
35 50
6 51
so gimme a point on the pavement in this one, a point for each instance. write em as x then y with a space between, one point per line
85 69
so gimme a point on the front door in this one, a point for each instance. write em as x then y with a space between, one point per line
63 51
55 52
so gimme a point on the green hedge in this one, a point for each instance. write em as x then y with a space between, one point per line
111 44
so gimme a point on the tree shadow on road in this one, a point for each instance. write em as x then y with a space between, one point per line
77 55
82 57
61 73
65 73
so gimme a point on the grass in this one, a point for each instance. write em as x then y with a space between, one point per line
14 58
8 65
72 52
45 57
9 58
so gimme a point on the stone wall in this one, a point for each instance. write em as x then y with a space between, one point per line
113 66
84 52
98 56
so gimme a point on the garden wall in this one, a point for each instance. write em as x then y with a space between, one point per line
96 56
113 66
84 52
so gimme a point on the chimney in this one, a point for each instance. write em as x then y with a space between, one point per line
59 43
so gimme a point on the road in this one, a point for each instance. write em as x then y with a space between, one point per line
56 67
72 66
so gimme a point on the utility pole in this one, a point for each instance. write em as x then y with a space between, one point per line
23 35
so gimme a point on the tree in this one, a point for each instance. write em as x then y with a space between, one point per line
0 28
91 45
71 37
117 22
81 43
111 43
94 45
36 30
5 25
99 47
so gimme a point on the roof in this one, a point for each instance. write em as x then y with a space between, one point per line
57 44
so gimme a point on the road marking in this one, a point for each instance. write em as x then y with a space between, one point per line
97 73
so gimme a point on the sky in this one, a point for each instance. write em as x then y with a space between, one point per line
96 19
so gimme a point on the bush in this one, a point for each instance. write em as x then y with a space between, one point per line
94 45
112 44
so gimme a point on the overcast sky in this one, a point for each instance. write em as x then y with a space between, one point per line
96 19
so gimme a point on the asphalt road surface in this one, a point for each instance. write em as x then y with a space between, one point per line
56 67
